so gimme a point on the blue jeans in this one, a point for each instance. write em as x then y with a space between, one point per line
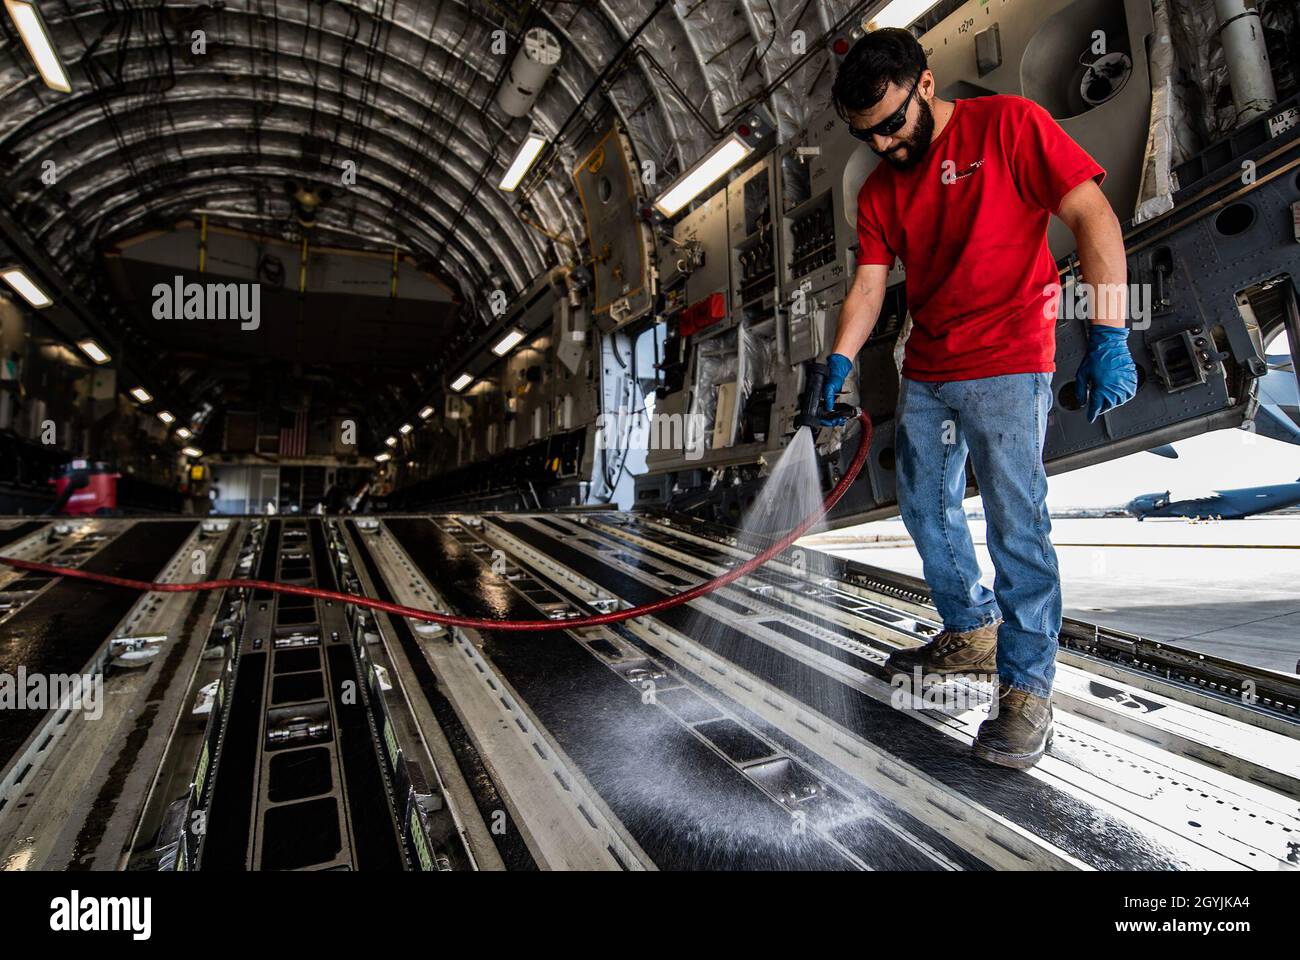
999 422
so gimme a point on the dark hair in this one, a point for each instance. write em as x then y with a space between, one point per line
882 57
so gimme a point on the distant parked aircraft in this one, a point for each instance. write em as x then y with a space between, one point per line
1221 505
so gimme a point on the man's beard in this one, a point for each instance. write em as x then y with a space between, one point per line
915 147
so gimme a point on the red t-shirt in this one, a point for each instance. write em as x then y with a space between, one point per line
970 225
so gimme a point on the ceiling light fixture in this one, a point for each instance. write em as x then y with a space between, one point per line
704 173
26 287
93 350
461 382
508 342
524 159
141 394
901 13
166 417
36 38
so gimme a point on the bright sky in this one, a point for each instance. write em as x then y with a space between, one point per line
1221 460
1216 461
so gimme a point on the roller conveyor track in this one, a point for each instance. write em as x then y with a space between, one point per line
854 623
788 671
72 795
513 852
236 729
753 729
296 782
663 780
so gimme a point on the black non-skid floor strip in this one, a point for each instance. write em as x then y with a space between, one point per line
376 844
877 844
270 554
685 805
18 531
1037 805
509 841
58 632
225 841
105 805
770 599
320 555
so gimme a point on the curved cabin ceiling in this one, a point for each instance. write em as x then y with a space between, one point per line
370 126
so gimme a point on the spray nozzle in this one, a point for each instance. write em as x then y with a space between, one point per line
812 405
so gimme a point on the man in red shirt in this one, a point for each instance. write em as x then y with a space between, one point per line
963 197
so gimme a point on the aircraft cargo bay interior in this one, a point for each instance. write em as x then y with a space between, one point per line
664 435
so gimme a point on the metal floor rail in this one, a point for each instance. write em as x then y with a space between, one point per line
755 728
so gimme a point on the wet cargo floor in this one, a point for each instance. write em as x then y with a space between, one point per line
684 804
1045 810
59 631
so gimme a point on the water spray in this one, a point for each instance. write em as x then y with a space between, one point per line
811 402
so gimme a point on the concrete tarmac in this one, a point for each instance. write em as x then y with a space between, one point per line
1229 588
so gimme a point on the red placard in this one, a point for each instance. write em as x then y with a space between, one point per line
703 313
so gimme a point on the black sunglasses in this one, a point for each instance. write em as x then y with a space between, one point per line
892 123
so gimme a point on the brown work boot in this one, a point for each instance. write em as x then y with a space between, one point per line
1018 730
971 651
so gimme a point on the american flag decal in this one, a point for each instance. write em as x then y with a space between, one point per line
293 434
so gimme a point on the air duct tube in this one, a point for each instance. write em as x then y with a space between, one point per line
1246 53
537 58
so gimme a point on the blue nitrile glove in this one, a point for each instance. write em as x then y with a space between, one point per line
1107 377
840 367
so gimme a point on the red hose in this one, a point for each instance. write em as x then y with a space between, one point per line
667 603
